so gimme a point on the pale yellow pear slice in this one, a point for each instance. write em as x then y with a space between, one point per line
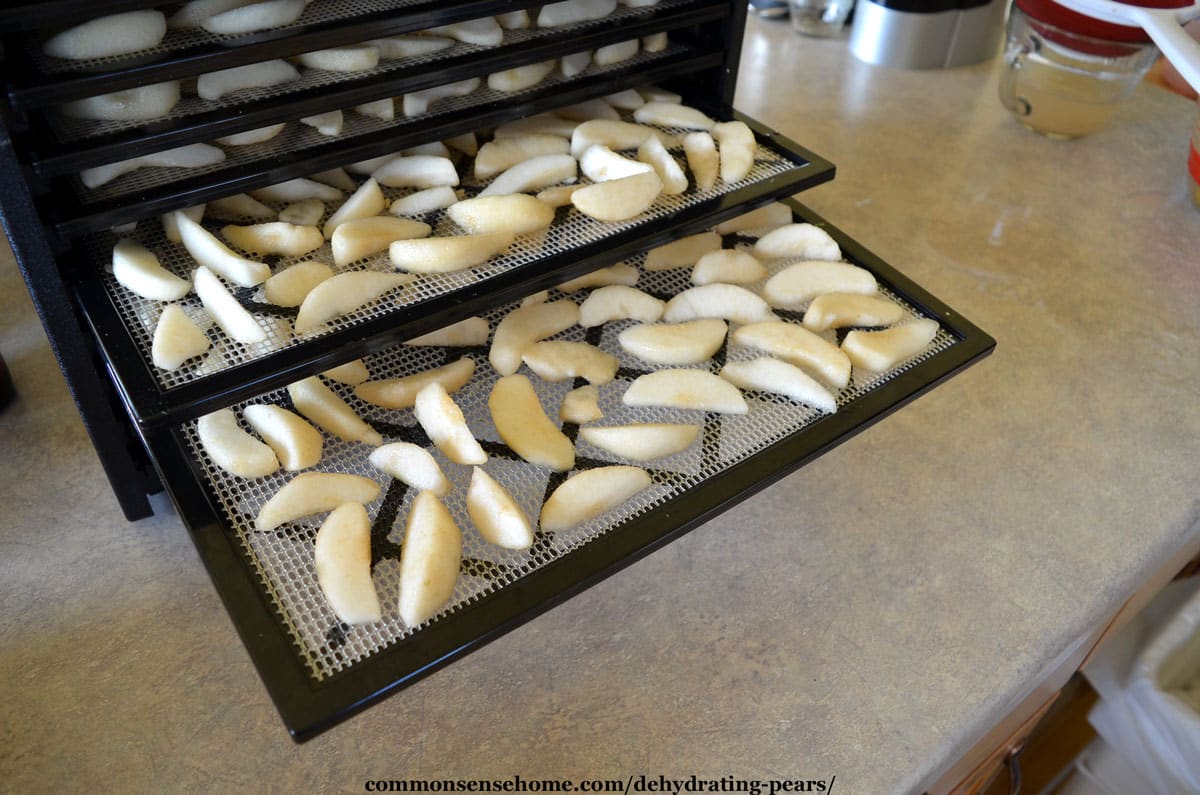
729 266
685 389
363 203
311 493
296 443
329 124
557 195
292 284
351 373
502 154
176 339
196 11
514 20
621 273
214 85
772 375
618 199
524 426
411 464
838 310
601 164
231 448
877 351
224 309
533 174
682 253
465 333
766 217
611 54
588 494
424 201
736 146
239 206
137 269
275 237
526 325
670 114
580 405
558 360
656 42
448 254
330 413
362 237
252 18
429 560
466 143
171 229
726 301
619 302
667 167
350 58
250 137
659 94
415 103
443 422
417 171
496 514
702 158
106 36
641 441
520 78
796 344
299 189
674 344
628 99
190 156
342 558
337 178
484 31
206 250
401 393
798 284
306 212
140 103
395 47
518 213
342 294
571 12
589 109
803 241
538 124
615 134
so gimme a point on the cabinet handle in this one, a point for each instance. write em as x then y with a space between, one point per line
1013 763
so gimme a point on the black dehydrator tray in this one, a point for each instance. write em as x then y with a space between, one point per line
319 671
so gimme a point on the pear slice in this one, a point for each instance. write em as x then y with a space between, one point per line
496 514
655 42
328 124
804 241
137 269
108 36
231 448
416 103
729 266
466 143
342 294
290 286
580 405
424 201
306 212
877 351
350 58
726 301
772 375
737 145
252 18
796 344
667 167
395 47
682 253
401 393
484 31
250 137
215 85
465 333
176 339
798 284
371 165
444 424
669 114
570 12
363 203
618 302
659 94
702 158
502 154
275 237
342 558
600 164
641 441
520 78
838 310
239 206
171 229
518 213
621 273
411 464
526 325
768 216
224 309
589 109
618 199
196 11
429 560
588 494
336 178
296 443
615 134
514 20
447 254
294 190
699 390
538 124
352 373
533 174
558 195
362 237
674 344
417 171
627 99
524 426
330 413
558 360
313 492
611 54
190 156
216 256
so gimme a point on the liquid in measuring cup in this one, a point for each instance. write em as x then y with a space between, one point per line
1064 103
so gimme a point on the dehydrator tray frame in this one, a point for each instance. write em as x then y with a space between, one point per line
149 403
310 704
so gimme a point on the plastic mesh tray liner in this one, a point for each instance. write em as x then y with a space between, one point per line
571 230
71 129
283 558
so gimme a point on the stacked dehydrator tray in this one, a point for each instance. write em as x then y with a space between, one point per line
143 419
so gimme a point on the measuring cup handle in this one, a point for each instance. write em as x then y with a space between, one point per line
1014 60
1175 43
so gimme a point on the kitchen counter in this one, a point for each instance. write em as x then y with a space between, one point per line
869 617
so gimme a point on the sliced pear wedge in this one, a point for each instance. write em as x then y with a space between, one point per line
444 424
311 493
275 237
804 241
412 465
216 256
702 158
250 137
362 237
518 213
538 124
416 103
342 294
877 351
601 164
365 202
621 51
296 443
429 560
484 31
176 339
726 301
329 123
401 393
736 145
337 178
298 189
588 494
674 344
447 254
496 514
520 78
766 217
342 558
670 114
395 47
621 273
612 133
641 441
618 302
771 375
190 156
618 199
352 373
796 344
107 36
171 229
252 18
224 309
533 174
558 195
558 360
502 154
465 333
682 253
798 284
307 212
239 206
137 269
728 266
141 103
526 325
667 167
231 448
292 284
524 426
699 390
838 310
330 413
417 171
580 405
569 12
353 58
424 201
215 85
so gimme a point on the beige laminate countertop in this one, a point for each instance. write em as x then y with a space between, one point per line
868 617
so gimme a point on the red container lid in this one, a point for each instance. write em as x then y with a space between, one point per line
1065 19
